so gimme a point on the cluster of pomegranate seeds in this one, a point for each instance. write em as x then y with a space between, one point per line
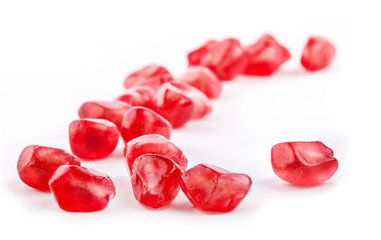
303 163
93 138
227 58
153 103
109 110
214 189
37 164
265 56
140 121
80 189
152 76
137 96
203 79
317 54
155 180
156 166
171 103
154 144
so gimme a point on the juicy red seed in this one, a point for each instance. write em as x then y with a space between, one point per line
226 58
93 138
140 121
112 111
317 54
214 189
303 163
154 144
203 79
173 105
137 96
265 56
195 57
36 165
80 189
155 180
202 105
152 76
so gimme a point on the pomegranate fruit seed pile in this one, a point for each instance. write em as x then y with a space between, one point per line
154 103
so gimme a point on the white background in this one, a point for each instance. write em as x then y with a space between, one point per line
54 55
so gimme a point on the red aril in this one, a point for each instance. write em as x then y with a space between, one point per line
173 105
195 57
214 189
303 163
154 144
80 189
317 54
226 58
112 111
36 165
140 121
202 105
203 79
93 138
137 96
155 180
265 56
151 76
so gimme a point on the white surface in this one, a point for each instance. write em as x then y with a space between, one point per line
54 56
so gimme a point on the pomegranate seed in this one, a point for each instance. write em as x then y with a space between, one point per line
112 111
154 144
265 56
203 79
36 165
155 180
93 138
214 189
303 163
196 56
137 96
140 121
173 105
226 58
80 189
202 105
317 54
152 76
